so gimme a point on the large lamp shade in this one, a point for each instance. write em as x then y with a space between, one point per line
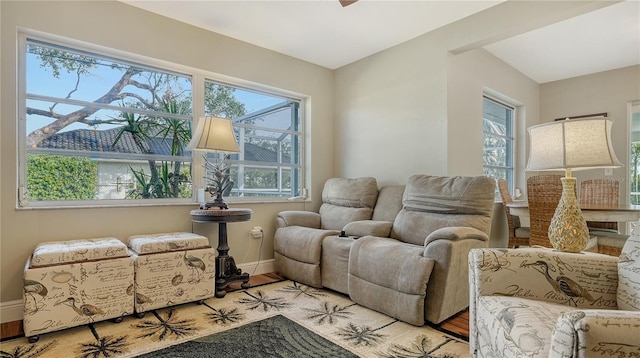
214 134
571 144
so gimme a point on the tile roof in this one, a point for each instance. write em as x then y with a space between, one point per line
101 141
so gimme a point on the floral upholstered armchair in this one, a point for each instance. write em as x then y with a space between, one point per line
540 302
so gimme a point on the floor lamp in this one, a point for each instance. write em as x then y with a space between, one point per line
572 144
215 134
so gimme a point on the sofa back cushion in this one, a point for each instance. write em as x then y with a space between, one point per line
628 294
389 203
345 200
434 202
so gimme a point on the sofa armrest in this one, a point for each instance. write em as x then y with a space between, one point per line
597 333
368 227
298 218
448 288
456 233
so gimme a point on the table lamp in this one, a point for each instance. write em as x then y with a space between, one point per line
572 144
215 134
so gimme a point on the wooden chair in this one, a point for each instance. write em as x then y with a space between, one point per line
600 192
518 235
603 192
543 195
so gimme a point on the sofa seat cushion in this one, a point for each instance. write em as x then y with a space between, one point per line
62 252
389 276
517 327
164 242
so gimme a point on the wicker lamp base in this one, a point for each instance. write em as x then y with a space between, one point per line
568 230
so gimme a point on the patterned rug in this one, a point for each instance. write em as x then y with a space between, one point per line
283 319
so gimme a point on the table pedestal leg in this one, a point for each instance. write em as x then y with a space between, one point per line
226 269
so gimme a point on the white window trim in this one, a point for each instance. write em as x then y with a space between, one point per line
516 107
198 78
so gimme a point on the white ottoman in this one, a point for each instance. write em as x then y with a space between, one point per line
71 283
171 269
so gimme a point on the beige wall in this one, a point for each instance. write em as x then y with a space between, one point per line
470 75
122 27
397 114
391 113
609 92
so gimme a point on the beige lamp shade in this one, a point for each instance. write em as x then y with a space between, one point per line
572 144
214 134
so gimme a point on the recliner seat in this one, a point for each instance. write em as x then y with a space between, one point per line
299 234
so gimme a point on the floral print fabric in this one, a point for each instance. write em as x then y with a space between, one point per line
60 252
540 302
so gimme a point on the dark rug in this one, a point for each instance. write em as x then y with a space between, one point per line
276 336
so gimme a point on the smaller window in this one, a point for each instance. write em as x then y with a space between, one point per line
268 128
498 140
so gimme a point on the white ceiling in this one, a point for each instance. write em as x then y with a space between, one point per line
324 33
601 40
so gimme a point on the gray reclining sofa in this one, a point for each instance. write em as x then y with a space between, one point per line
406 246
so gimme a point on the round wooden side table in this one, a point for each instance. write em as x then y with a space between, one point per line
226 270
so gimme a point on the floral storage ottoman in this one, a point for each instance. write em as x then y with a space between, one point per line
171 269
71 283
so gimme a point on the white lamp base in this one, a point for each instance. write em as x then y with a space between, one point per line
568 230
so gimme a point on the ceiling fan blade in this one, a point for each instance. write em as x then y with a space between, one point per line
346 2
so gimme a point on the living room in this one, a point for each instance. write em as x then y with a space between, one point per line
421 100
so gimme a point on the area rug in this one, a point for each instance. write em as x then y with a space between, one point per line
282 319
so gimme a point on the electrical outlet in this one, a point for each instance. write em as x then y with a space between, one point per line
256 232
608 172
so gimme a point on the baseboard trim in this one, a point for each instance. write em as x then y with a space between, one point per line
259 268
12 310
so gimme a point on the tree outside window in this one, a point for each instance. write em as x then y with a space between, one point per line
498 140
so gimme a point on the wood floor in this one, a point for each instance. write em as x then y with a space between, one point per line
458 324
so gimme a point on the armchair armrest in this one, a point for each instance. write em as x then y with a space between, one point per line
597 333
298 218
368 227
544 275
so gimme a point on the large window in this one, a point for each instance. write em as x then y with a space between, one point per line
102 128
498 140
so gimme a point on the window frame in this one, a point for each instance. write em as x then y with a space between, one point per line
246 164
198 78
509 137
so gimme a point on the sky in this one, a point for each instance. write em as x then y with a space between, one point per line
40 80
